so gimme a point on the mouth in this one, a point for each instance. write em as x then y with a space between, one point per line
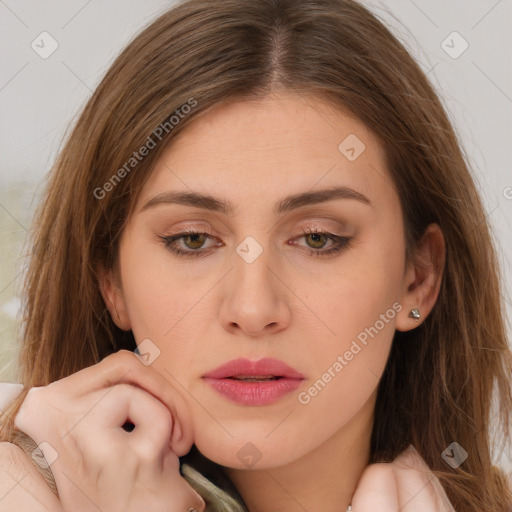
254 383
255 378
263 369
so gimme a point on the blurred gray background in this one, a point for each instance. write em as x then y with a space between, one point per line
55 52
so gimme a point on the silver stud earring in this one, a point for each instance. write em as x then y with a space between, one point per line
415 313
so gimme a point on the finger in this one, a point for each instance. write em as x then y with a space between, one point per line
183 497
151 435
125 367
377 490
150 438
418 489
147 443
126 402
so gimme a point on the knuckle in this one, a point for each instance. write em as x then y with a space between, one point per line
122 359
158 415
33 393
122 356
379 472
123 390
29 407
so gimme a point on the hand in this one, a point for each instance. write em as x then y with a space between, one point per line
404 485
99 464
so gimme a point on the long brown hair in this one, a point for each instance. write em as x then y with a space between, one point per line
440 378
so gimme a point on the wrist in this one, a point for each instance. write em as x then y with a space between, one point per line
30 447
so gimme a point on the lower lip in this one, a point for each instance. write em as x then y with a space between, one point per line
254 393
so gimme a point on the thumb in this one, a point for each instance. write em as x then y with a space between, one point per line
377 490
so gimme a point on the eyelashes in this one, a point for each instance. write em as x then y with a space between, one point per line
339 243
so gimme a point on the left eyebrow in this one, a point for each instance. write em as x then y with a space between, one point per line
292 202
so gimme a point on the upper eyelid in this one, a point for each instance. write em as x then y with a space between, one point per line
339 242
303 230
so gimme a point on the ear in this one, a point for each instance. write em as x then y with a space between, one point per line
113 297
422 279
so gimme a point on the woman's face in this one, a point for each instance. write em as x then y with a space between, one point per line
261 283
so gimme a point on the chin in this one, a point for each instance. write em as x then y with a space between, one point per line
249 449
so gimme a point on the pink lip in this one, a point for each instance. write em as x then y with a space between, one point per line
266 366
222 379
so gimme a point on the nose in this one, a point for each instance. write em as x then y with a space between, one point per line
255 297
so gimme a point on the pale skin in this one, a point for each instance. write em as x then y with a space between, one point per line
287 304
99 465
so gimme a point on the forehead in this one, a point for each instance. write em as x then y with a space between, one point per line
285 142
276 122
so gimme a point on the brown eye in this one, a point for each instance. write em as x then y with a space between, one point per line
318 240
197 240
188 244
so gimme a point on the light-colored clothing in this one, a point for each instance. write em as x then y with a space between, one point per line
8 392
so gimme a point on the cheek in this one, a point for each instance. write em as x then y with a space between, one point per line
154 300
165 308
150 310
359 307
356 297
347 369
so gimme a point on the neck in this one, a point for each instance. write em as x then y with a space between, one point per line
324 479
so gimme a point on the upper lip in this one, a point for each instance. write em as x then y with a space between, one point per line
265 367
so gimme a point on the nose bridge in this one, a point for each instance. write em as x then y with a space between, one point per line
251 263
252 298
